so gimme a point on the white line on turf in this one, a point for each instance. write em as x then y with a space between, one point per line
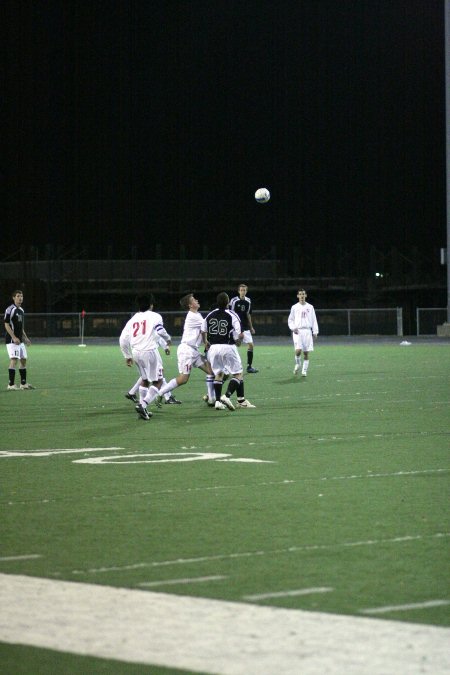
31 556
211 636
250 554
235 486
407 607
292 593
187 580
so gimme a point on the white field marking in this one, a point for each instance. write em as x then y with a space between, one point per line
251 554
248 461
236 486
151 458
293 593
186 580
404 608
211 636
48 453
31 556
168 457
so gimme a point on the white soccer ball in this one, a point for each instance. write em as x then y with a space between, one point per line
262 195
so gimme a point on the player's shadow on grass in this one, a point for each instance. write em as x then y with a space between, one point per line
290 380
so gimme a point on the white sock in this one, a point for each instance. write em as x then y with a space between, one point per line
135 387
210 387
168 387
152 393
143 391
297 360
305 365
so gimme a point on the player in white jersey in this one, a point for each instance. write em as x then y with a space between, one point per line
139 343
303 324
188 354
168 397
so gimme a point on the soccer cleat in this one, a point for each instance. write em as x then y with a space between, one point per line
158 401
219 406
27 386
226 400
209 401
252 370
303 374
12 387
143 412
131 397
296 369
172 400
245 404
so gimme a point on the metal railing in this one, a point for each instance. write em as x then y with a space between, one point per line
428 318
271 322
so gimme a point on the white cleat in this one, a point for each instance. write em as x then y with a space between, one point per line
27 386
219 406
296 369
303 374
227 402
245 404
12 387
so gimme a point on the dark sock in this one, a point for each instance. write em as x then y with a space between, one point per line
23 375
240 391
11 375
232 386
249 357
218 389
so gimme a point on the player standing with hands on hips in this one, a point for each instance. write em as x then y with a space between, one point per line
16 339
303 324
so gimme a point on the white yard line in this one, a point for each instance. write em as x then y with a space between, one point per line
407 607
186 580
293 593
31 556
251 554
211 636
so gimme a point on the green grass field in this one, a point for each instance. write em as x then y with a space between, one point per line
337 482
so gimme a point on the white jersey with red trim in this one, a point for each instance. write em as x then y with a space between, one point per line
142 333
303 316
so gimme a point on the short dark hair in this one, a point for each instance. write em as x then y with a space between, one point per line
223 300
14 293
144 301
186 300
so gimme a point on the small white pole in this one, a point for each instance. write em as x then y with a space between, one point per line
82 315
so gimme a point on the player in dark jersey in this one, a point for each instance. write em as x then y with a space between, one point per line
16 339
221 331
242 305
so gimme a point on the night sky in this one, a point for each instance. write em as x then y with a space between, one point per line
144 123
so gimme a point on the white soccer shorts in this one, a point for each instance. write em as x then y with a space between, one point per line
303 340
248 337
17 351
225 359
188 358
149 364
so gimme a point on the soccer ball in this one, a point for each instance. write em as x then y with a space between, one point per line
262 195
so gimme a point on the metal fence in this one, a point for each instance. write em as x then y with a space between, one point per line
428 318
379 321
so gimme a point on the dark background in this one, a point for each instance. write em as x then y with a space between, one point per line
145 126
